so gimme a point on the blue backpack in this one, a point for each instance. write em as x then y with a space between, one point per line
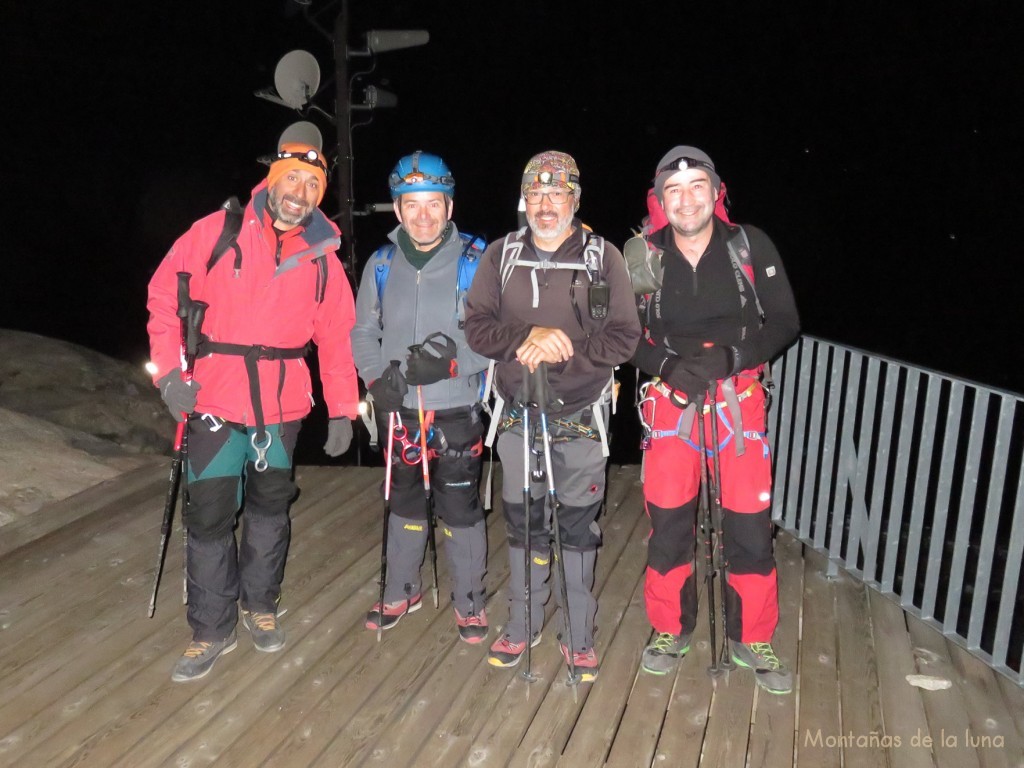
472 249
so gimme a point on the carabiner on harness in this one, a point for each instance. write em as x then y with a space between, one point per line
647 438
261 451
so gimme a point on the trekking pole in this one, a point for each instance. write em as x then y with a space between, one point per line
527 503
425 462
196 315
705 501
185 311
541 395
387 514
718 523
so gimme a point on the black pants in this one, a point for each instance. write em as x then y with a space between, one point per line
222 479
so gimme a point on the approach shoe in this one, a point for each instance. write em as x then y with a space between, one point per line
199 658
393 612
472 628
267 636
504 653
664 653
585 663
769 672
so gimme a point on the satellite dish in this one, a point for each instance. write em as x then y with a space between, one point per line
303 132
297 78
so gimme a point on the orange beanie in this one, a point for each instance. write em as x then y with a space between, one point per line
303 157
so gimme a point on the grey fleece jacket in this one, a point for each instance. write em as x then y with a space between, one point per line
416 303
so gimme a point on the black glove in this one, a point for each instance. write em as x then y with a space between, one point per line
677 375
432 361
389 390
339 436
179 397
712 363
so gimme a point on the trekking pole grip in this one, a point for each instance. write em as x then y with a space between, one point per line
541 388
196 316
184 300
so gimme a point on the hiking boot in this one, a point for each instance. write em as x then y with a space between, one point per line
199 657
472 628
664 653
585 663
267 636
769 672
504 653
393 612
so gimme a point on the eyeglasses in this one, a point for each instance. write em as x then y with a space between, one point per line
310 157
682 163
556 196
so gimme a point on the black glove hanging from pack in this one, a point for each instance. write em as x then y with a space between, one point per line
432 361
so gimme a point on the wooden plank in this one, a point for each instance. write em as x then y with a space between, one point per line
999 741
947 715
726 738
773 726
599 723
862 731
59 515
817 744
683 724
903 712
1013 695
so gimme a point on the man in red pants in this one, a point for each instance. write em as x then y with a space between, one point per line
719 316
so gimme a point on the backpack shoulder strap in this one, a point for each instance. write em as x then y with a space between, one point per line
738 245
380 263
469 260
233 213
593 257
510 251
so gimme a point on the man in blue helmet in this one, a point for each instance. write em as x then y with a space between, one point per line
418 306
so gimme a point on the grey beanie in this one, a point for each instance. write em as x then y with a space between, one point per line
675 160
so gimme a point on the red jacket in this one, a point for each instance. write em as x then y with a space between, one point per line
271 301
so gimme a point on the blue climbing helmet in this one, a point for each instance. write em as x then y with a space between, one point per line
421 172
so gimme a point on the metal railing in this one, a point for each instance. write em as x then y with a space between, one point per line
912 481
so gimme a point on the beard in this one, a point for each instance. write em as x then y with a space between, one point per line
545 231
279 213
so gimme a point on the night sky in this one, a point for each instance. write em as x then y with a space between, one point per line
879 146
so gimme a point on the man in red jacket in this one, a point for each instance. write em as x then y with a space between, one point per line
278 287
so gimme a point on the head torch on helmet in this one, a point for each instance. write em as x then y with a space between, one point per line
421 172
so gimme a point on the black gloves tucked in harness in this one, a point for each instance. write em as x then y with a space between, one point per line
389 390
339 436
677 375
712 363
432 361
179 396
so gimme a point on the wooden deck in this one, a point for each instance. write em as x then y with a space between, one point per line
85 674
